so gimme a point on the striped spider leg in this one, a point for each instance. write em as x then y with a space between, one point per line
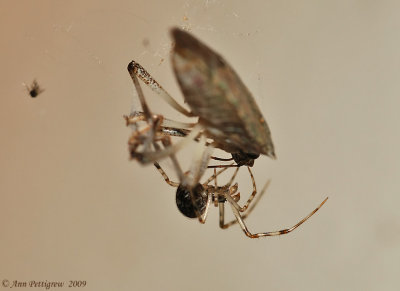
240 219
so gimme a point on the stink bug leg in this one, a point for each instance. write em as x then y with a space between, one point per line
157 128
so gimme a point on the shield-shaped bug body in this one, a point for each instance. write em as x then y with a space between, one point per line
216 94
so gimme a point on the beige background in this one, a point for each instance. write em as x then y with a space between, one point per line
73 207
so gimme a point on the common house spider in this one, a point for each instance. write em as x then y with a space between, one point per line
194 199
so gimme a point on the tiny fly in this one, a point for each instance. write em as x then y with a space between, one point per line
34 90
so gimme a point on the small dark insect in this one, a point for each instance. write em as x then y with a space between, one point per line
226 110
34 90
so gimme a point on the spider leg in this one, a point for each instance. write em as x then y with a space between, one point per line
202 218
214 176
162 172
166 141
221 206
253 194
271 233
233 177
251 208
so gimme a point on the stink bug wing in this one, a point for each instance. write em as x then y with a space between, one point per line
216 94
247 109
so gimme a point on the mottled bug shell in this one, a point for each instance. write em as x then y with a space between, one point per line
216 94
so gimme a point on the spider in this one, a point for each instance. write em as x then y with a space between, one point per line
34 90
194 199
227 113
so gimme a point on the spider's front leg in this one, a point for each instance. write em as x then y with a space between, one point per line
270 233
166 178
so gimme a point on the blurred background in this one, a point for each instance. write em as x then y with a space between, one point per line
325 75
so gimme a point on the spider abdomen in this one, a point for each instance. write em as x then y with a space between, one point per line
192 203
